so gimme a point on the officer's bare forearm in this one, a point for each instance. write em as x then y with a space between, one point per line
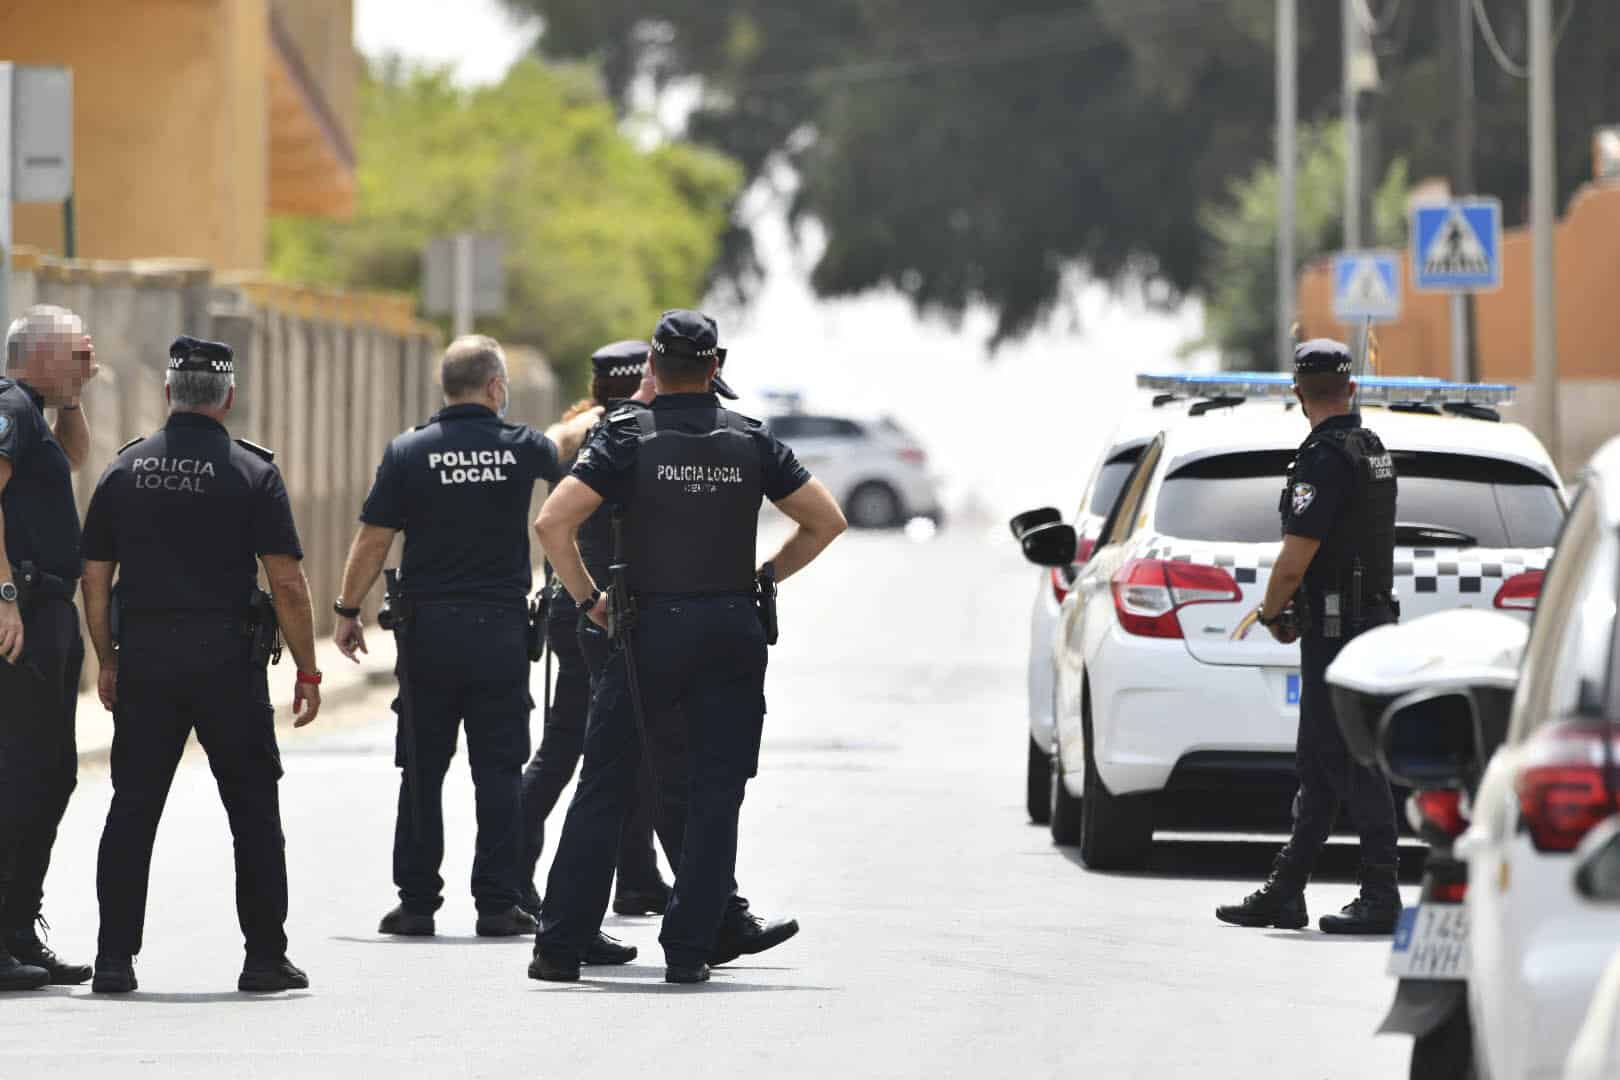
366 557
96 584
819 521
569 435
5 560
1288 574
565 510
72 432
289 588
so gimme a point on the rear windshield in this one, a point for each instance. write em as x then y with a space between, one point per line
1111 481
1487 502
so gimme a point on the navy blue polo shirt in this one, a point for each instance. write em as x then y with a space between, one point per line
1323 483
460 487
42 520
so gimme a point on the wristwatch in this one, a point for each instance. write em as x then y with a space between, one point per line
346 612
8 592
589 604
1260 617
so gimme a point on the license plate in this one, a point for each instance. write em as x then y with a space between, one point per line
1431 942
1291 689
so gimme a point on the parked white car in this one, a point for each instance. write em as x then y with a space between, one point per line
1169 701
875 469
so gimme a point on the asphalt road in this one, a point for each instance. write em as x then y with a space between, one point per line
943 934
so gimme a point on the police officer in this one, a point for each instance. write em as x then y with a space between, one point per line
1338 520
690 477
183 515
459 487
48 361
580 649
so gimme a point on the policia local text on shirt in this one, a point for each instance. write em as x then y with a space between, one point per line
1338 521
48 359
459 487
690 649
185 516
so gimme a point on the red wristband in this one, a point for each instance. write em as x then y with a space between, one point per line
309 679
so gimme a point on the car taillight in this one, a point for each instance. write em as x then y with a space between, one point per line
1449 892
1519 592
1148 593
912 455
1441 809
1561 787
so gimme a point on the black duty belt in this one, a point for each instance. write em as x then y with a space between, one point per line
443 599
665 597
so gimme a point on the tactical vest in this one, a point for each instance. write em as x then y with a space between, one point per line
691 526
1365 537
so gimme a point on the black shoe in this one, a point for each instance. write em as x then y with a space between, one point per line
114 975
402 923
16 975
551 969
513 922
1280 902
642 901
1363 916
748 934
268 978
531 901
684 975
29 950
607 950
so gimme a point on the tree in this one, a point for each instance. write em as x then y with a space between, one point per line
968 150
1241 300
601 236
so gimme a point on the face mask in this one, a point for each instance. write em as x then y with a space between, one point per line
506 400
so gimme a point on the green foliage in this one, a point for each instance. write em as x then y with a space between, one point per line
1241 299
600 235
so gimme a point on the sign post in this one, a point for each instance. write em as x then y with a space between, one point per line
464 275
36 149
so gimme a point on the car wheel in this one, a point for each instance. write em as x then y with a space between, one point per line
1445 1052
1063 809
1116 830
1038 784
874 505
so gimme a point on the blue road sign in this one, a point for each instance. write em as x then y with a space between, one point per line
1457 246
1367 285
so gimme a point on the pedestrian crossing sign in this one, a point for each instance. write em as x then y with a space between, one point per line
1457 246
1366 285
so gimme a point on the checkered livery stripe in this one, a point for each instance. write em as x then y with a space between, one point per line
1419 569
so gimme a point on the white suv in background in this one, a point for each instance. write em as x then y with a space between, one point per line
1173 707
875 469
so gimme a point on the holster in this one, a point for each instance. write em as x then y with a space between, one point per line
765 598
263 630
395 617
539 607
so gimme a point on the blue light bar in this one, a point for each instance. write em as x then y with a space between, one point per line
1384 389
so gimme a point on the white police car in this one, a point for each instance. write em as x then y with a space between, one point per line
1173 707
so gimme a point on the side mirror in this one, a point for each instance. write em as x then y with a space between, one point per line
1031 519
1053 544
1597 864
1430 739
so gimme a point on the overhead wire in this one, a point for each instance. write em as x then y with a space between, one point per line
1494 44
1377 26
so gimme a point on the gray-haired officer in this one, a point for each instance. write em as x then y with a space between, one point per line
690 477
48 361
459 487
1338 521
185 517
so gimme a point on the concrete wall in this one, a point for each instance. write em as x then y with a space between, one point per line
325 379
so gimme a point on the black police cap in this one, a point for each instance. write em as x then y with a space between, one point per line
193 354
691 333
1321 356
620 360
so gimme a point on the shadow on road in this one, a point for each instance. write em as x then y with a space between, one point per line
219 997
644 985
437 939
1247 861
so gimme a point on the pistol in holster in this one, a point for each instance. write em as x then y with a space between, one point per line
539 608
395 610
263 630
621 610
765 598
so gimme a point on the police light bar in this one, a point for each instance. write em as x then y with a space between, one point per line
1384 389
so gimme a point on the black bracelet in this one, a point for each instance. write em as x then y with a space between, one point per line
346 612
590 604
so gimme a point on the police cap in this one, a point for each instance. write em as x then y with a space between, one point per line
193 354
620 360
1321 356
691 333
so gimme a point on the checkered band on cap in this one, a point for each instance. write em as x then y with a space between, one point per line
625 370
701 354
199 362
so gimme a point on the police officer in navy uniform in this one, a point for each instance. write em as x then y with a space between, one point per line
690 477
48 359
459 487
185 517
1338 554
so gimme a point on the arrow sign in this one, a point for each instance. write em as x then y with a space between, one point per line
1366 285
1457 246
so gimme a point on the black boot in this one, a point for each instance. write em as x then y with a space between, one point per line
531 900
1280 902
272 976
1375 911
114 975
513 922
748 934
29 950
608 950
403 923
16 975
651 901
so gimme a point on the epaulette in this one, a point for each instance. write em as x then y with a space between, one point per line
131 443
255 448
625 414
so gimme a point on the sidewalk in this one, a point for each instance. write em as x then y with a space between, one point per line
342 683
